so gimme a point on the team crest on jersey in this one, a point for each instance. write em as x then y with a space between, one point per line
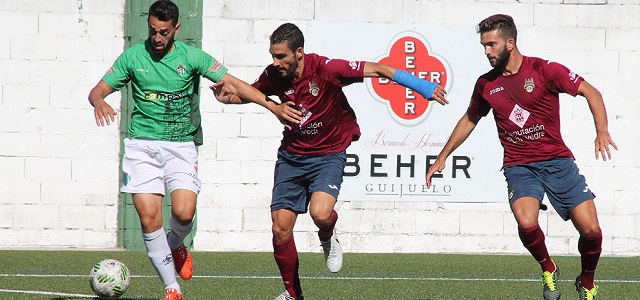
314 89
181 70
529 85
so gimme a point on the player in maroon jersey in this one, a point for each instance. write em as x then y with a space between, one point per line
312 156
524 95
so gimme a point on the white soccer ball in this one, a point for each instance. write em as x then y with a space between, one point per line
109 279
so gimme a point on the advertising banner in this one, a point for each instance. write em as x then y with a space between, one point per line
402 132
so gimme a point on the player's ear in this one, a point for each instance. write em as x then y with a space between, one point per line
177 28
511 43
299 53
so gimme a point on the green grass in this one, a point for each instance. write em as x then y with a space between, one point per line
364 276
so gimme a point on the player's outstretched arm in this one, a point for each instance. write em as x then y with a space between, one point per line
599 112
427 89
460 133
102 111
232 90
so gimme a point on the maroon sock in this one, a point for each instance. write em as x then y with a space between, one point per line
286 257
533 239
325 233
590 247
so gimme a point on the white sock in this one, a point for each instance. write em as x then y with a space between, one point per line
178 233
161 259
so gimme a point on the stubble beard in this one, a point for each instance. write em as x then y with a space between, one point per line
502 59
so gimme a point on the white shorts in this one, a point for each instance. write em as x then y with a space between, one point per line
152 166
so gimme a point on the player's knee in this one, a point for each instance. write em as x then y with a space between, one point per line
150 223
183 217
281 234
321 219
593 229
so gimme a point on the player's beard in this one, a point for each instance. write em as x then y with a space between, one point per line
165 50
290 72
501 59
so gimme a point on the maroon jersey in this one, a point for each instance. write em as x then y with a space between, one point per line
328 123
526 108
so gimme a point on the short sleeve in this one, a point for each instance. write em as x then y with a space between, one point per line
561 79
208 66
341 72
478 107
263 83
118 74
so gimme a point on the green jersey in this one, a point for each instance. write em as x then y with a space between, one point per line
164 91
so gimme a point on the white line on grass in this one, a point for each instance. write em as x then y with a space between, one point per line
46 293
330 278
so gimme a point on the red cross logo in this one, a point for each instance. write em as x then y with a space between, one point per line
410 53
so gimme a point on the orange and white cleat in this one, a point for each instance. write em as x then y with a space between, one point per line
173 294
183 263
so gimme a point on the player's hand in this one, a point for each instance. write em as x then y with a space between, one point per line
438 166
103 112
438 95
603 141
288 114
223 92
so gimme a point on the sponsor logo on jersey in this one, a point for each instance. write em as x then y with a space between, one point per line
355 65
215 67
573 76
409 51
152 96
529 85
305 114
289 92
155 96
313 89
519 115
498 89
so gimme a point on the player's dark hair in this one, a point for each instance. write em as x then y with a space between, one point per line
503 23
289 33
165 11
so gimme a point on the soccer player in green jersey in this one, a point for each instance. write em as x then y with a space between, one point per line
160 151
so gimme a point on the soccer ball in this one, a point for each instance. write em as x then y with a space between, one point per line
109 279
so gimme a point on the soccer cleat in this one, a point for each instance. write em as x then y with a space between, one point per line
183 263
286 296
173 294
332 253
550 289
583 292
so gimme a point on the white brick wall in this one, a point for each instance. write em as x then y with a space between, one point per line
60 171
